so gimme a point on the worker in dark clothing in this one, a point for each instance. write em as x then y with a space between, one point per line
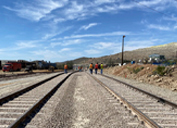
99 67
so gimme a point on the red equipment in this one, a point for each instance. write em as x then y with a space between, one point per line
12 66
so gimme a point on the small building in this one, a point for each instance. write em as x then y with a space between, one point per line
157 56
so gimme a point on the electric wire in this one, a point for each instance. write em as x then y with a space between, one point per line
154 9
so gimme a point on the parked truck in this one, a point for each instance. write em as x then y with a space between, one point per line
12 66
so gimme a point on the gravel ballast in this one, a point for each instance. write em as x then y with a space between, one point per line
10 86
82 103
161 92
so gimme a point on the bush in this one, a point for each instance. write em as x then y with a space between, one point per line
160 70
137 70
129 69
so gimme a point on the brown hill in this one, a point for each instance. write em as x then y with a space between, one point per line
169 50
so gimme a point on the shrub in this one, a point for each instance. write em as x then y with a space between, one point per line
160 70
129 69
137 70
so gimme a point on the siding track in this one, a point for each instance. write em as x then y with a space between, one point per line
153 111
18 108
22 75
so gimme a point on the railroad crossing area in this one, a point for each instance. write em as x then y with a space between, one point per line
83 100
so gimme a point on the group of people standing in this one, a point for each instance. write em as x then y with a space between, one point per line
91 67
97 66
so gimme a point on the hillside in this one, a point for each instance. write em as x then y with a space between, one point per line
146 74
169 50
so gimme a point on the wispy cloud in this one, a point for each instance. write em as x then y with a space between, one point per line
140 43
98 35
56 32
104 45
36 10
65 50
85 27
46 54
27 44
92 51
99 2
159 27
2 50
110 47
114 47
67 43
75 10
173 17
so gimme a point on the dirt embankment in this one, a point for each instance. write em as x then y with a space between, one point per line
145 73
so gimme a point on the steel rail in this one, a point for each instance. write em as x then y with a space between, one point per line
18 122
148 122
22 74
162 100
20 92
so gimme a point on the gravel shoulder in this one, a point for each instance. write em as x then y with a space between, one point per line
161 92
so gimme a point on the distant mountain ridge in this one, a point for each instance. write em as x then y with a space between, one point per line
169 50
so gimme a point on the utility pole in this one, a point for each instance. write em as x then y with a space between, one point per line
123 49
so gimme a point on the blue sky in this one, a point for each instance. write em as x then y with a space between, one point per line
60 30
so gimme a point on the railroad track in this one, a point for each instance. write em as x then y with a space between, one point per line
14 76
153 111
18 108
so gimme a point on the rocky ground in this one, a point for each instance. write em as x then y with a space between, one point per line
146 74
82 103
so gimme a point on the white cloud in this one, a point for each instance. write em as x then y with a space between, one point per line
85 27
98 35
67 42
76 10
36 10
47 36
137 44
20 46
150 3
65 49
27 44
75 55
172 18
98 2
46 54
2 50
72 42
56 32
158 27
115 47
92 51
104 45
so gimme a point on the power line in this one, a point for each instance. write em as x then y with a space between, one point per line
152 8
